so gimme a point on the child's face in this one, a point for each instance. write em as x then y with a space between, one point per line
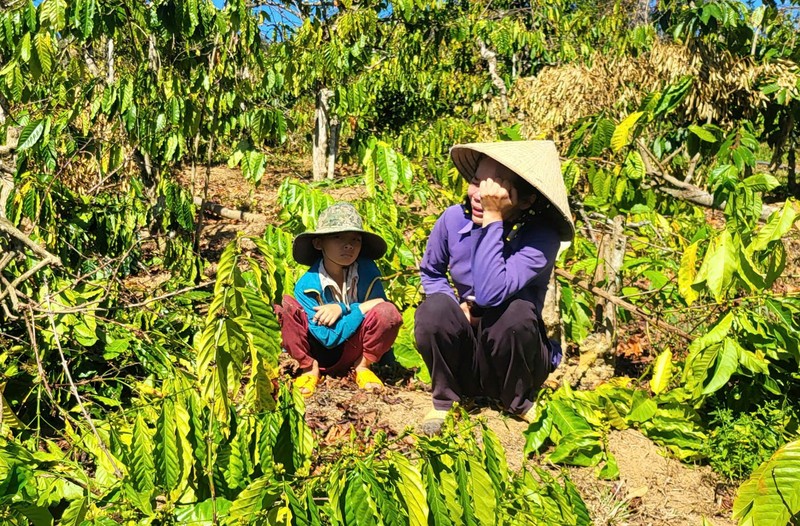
342 248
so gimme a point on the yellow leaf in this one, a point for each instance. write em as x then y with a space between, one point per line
620 137
662 372
687 273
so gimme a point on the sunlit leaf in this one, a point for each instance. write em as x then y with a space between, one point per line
726 364
662 372
620 137
30 134
772 493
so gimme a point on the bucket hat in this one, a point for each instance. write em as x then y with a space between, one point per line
339 217
536 162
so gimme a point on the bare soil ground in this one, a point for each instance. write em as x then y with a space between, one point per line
653 490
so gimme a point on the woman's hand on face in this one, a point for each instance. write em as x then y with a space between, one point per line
327 314
498 199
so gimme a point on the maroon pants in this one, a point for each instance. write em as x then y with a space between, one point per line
505 357
373 339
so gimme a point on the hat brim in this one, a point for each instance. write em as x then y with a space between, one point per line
536 162
372 245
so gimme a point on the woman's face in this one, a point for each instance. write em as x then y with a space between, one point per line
488 168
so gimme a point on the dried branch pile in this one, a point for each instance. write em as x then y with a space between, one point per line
725 87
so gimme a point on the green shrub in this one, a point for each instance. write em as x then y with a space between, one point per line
740 441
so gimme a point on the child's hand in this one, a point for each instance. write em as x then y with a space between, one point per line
327 314
369 304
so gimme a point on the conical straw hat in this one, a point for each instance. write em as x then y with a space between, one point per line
536 162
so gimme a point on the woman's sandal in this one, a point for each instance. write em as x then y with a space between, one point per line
432 423
365 377
306 384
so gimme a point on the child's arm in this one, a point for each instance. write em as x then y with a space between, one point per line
340 331
327 314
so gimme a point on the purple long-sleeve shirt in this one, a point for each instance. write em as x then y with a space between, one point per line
481 264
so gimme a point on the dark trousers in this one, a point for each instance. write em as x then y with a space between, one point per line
506 357
373 339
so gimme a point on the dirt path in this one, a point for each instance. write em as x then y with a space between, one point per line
652 490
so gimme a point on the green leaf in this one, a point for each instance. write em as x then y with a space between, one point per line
601 139
761 182
405 347
438 509
53 13
747 271
726 364
483 493
359 506
412 490
168 466
75 513
494 458
566 419
87 17
722 262
259 495
702 133
386 162
610 470
141 464
634 168
463 492
24 48
37 515
620 137
43 46
673 95
538 432
582 448
662 372
777 226
202 513
772 493
717 333
30 134
642 407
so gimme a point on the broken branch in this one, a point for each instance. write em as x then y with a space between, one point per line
630 307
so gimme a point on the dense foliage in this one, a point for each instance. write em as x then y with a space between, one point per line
124 401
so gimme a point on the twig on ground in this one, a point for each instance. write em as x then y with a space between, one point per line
228 213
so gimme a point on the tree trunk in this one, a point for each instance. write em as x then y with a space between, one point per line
333 145
551 312
791 173
7 164
597 352
320 151
89 60
110 62
641 13
491 60
613 253
152 54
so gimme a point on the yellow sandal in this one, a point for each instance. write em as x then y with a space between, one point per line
307 382
364 377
